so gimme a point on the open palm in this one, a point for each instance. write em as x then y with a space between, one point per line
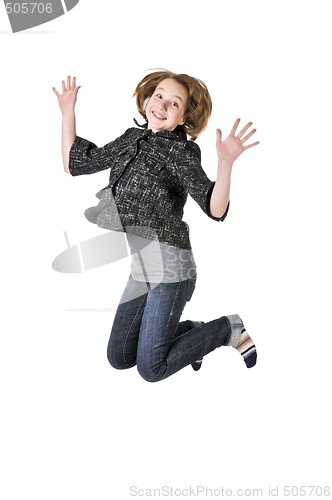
231 148
67 99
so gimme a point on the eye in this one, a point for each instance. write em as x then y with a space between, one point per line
159 96
175 104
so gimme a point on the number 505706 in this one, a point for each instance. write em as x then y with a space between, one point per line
28 8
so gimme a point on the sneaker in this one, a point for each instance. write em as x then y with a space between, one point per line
196 365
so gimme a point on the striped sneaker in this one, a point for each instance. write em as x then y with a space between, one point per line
247 349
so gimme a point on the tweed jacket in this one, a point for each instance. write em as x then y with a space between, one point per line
150 177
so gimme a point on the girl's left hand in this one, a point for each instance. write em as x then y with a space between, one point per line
231 148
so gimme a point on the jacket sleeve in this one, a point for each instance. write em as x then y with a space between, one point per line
86 158
194 179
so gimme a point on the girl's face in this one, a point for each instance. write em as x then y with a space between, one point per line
166 107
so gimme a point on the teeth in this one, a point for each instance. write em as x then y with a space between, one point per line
159 116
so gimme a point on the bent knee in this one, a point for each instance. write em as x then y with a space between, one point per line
118 361
150 374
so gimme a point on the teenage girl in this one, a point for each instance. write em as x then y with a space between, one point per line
153 167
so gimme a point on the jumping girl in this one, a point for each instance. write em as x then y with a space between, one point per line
153 167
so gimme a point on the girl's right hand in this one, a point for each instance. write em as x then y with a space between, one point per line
67 99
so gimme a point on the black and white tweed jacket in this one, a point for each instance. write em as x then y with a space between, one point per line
151 175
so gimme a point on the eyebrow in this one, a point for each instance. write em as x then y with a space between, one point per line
161 88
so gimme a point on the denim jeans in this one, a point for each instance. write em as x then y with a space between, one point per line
147 331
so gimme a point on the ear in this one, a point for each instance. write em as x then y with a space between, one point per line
183 121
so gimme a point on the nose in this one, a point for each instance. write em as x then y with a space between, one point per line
163 105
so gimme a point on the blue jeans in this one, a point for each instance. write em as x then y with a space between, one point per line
147 331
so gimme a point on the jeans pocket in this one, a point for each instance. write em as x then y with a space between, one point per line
191 284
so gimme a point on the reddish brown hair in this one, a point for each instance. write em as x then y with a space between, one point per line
199 106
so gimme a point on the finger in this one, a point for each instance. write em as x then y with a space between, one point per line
248 135
218 135
235 126
63 87
244 130
76 89
251 145
55 91
74 81
68 82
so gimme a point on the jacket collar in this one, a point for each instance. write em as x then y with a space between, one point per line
177 134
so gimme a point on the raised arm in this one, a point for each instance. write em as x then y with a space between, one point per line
67 101
228 151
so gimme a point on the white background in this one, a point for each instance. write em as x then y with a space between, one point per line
73 427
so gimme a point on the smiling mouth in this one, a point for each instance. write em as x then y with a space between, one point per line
157 115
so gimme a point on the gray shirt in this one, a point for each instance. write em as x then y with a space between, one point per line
157 262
